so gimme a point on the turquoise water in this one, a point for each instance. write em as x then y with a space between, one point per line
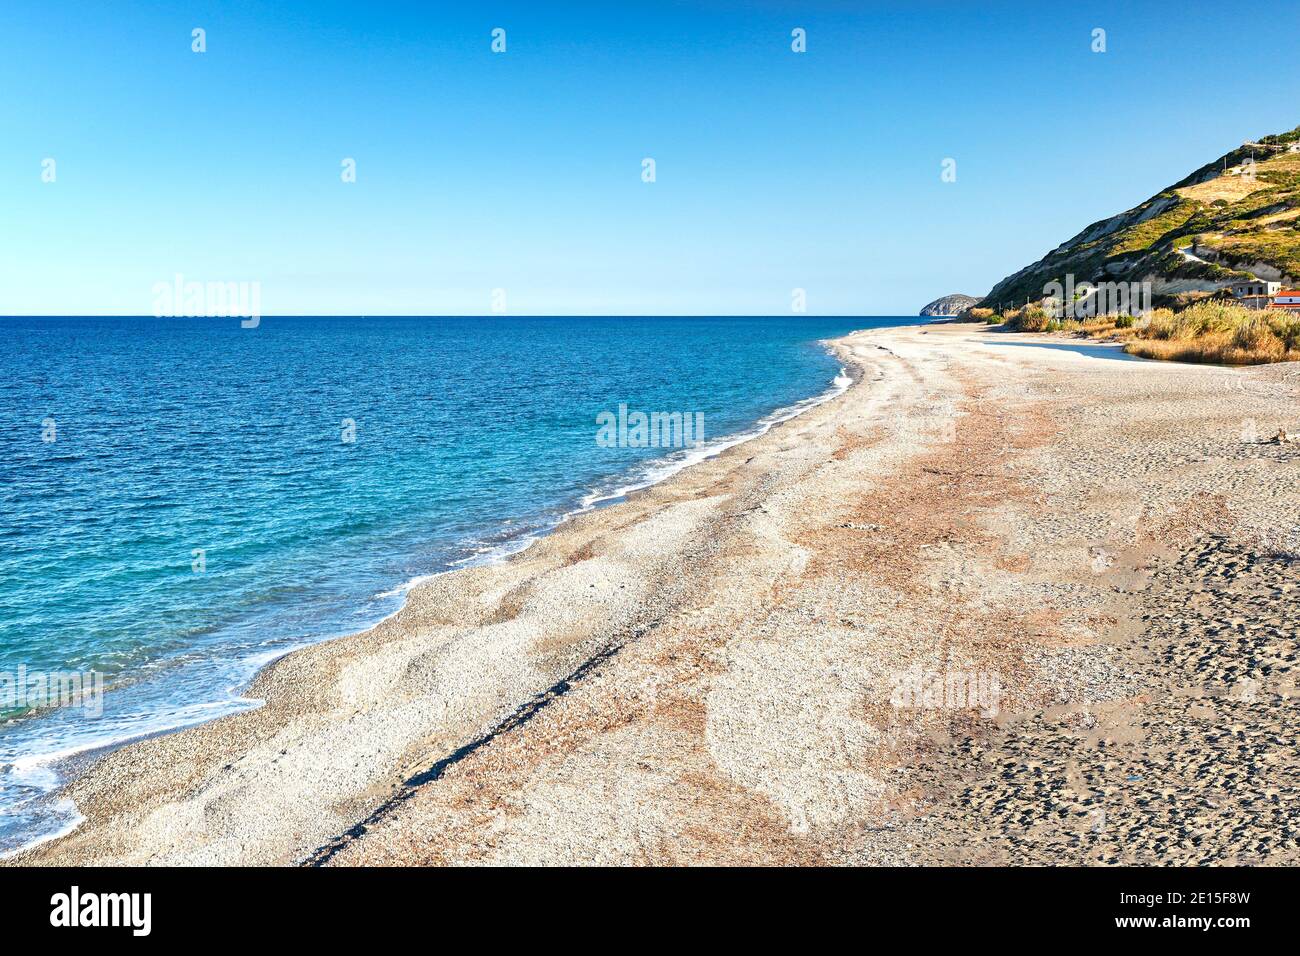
468 438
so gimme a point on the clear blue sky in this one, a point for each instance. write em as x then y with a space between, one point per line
522 170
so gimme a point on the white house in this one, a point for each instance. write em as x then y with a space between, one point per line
1287 299
1252 287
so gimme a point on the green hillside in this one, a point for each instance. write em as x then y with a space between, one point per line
1234 218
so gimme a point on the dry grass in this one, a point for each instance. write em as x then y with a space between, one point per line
1230 187
1218 332
987 316
1210 330
1028 318
1099 325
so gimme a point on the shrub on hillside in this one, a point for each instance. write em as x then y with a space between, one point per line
1215 330
1031 318
1207 317
1254 337
1287 328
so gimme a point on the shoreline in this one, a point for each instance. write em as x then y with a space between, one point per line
652 472
701 673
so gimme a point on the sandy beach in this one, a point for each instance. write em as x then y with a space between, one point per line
1086 563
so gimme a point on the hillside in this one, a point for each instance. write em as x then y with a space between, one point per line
1234 218
953 304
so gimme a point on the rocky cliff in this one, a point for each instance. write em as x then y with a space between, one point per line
954 304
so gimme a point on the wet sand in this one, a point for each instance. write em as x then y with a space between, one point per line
715 671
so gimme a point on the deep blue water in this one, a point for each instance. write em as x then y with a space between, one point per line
472 435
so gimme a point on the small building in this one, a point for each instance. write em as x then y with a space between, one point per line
1255 287
1287 299
1255 301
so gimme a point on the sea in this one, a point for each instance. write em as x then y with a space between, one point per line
184 500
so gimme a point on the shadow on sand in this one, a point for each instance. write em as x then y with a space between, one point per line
1115 352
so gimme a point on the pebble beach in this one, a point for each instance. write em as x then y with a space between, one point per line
1003 601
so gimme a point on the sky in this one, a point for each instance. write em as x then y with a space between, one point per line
522 170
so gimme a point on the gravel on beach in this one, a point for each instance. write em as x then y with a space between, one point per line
1002 601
